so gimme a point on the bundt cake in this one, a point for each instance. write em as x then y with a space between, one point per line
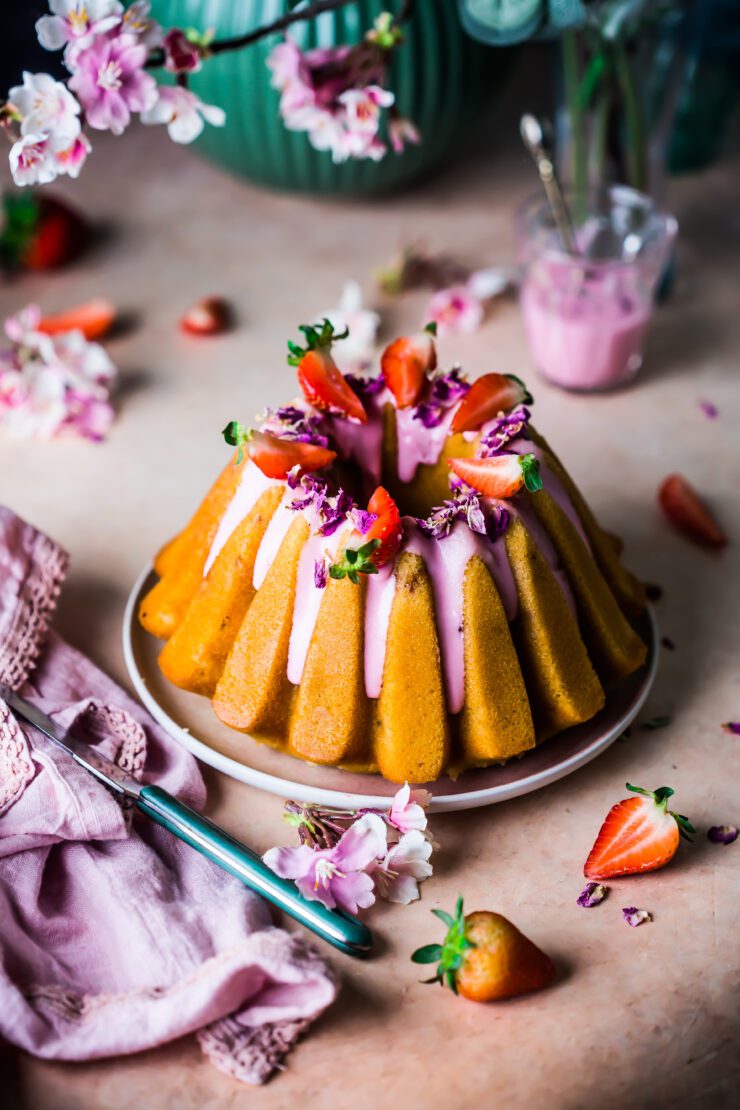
395 574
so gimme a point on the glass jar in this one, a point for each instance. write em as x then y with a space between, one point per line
586 314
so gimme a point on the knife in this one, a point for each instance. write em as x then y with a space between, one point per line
343 931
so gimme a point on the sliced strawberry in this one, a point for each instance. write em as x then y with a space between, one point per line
500 476
94 319
54 236
688 513
405 365
208 316
486 398
639 834
387 528
323 384
274 456
325 388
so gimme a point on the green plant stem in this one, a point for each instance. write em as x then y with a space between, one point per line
599 130
571 82
635 124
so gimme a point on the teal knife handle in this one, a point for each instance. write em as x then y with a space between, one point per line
344 932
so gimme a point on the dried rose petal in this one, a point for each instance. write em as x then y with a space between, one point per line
635 917
591 895
709 409
320 574
733 727
722 834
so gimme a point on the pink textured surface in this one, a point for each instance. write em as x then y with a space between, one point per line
639 1016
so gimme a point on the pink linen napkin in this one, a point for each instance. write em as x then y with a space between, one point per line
115 936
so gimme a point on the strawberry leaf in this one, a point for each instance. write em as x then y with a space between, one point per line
356 561
447 918
527 398
236 435
427 954
531 471
315 338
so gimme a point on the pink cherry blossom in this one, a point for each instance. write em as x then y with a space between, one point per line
71 160
335 876
183 113
407 811
136 21
33 158
77 22
110 82
405 865
180 54
455 309
46 106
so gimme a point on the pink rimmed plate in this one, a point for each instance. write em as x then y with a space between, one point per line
189 719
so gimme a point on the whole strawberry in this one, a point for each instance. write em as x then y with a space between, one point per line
40 232
485 958
639 834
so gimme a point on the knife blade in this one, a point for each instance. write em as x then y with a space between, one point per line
339 929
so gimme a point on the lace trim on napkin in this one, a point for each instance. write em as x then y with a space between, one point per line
35 605
16 764
249 1053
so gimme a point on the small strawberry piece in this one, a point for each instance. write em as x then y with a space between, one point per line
500 476
486 398
209 316
387 528
323 384
94 319
274 456
405 364
639 834
485 958
325 388
688 513
54 237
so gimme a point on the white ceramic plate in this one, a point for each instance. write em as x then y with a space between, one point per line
189 720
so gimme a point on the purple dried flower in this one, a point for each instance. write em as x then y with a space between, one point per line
320 574
369 386
722 834
363 520
497 522
290 422
507 427
464 504
635 917
334 512
591 895
475 517
314 492
709 409
446 390
733 727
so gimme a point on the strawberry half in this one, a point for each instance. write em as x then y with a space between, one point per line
688 513
208 316
321 380
500 476
274 456
639 834
405 364
40 232
486 398
387 528
94 319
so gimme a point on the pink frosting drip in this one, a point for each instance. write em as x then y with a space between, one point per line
252 485
378 600
275 533
360 443
417 444
308 598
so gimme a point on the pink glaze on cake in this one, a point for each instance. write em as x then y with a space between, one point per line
445 558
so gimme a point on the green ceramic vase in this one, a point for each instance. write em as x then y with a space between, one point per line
442 80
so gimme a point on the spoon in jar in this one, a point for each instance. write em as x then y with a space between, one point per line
536 137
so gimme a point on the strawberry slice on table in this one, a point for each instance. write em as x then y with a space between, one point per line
380 543
499 476
639 834
208 316
486 398
323 384
406 362
40 232
688 513
274 456
93 318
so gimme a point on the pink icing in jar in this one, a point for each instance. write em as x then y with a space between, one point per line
585 316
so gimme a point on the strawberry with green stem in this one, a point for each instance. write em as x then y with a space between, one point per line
274 456
499 476
639 834
485 958
323 384
381 541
